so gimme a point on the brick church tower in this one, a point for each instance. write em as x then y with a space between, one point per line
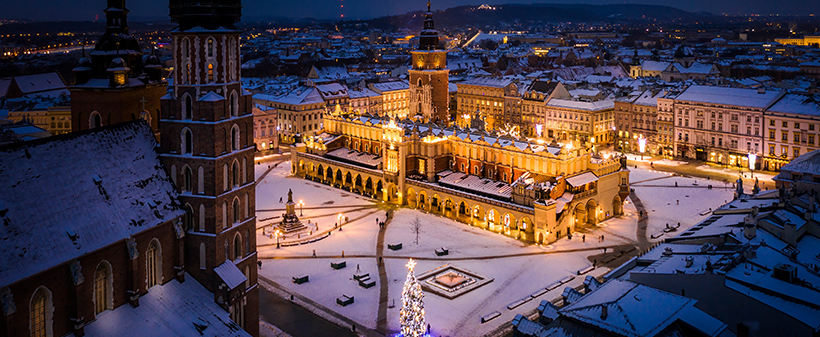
429 77
207 146
115 86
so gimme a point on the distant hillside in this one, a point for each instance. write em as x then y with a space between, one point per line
514 14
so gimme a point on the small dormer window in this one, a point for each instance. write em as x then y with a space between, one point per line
119 79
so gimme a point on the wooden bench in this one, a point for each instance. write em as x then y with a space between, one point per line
366 282
490 316
301 279
395 246
338 265
442 251
344 300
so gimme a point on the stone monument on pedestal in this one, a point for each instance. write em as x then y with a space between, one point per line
290 222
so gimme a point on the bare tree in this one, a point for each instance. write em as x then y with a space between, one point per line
415 227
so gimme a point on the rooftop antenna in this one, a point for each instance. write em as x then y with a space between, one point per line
342 9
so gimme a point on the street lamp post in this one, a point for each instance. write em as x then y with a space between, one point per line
278 234
752 160
301 206
642 145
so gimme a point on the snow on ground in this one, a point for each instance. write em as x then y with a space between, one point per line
474 249
660 198
322 205
514 278
326 284
436 232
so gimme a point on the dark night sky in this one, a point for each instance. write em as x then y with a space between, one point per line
85 10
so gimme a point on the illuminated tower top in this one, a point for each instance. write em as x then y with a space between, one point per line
209 15
428 39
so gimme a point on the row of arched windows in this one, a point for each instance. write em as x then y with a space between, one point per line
239 212
187 106
41 307
241 249
232 140
210 59
233 177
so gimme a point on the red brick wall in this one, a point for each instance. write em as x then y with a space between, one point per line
115 105
71 301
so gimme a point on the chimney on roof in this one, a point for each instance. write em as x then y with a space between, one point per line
604 312
761 90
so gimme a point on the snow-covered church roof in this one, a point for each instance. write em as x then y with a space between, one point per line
66 196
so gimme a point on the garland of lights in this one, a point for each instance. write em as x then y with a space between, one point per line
411 315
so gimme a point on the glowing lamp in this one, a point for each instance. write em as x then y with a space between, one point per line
752 160
538 128
642 144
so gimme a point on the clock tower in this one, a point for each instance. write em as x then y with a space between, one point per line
429 77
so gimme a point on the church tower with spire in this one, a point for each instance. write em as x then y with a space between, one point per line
207 147
429 77
114 85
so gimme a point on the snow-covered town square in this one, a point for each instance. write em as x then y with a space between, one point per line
344 228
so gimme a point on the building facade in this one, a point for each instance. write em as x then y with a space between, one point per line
721 125
792 129
208 148
265 124
581 120
533 191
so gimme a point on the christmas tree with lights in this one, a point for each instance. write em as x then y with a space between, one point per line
412 310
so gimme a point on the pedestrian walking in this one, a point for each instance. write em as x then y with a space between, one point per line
377 221
259 263
280 200
357 268
676 184
677 201
343 254
380 260
602 238
314 253
583 238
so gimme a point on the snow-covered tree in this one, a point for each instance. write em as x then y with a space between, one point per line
412 310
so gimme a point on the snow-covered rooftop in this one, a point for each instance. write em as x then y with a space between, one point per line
70 195
730 96
171 309
797 104
475 183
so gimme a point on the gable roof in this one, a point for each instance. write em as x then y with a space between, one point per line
730 96
66 196
30 84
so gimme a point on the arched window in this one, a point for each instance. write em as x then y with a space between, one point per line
247 241
245 169
201 217
225 176
210 73
187 106
227 250
200 175
94 121
185 49
153 264
234 105
247 207
103 292
174 173
187 142
247 277
187 184
40 313
224 214
202 255
235 138
236 173
237 247
189 218
236 216
209 47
